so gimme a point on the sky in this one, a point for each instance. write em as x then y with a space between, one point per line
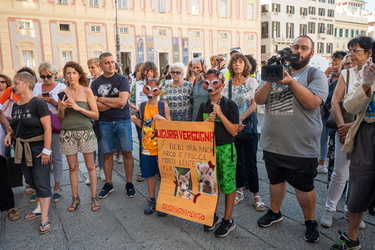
370 5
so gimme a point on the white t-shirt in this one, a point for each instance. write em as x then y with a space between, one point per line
38 90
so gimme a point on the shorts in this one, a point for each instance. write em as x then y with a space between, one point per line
362 170
226 160
72 141
116 135
149 165
298 172
37 176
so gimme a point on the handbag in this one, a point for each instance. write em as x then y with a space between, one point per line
55 123
7 107
348 117
251 121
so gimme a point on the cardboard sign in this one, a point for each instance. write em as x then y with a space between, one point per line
187 163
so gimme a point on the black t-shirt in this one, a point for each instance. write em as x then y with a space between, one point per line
31 112
101 87
229 109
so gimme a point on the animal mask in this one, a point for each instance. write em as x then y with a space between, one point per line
212 81
151 89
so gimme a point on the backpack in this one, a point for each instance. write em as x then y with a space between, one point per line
160 109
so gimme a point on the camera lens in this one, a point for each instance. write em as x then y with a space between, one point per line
274 72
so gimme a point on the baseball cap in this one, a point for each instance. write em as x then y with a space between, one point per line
235 49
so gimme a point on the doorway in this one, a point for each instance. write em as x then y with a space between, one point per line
126 63
163 60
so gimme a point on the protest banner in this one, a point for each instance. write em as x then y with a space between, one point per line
187 163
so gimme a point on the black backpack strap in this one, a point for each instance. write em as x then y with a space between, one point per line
142 110
347 81
161 108
311 74
230 89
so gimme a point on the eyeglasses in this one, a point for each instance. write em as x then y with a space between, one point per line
354 51
347 64
3 82
48 76
303 48
175 72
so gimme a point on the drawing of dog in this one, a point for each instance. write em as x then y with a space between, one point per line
183 182
207 181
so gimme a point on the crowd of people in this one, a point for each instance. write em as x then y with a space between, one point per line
43 119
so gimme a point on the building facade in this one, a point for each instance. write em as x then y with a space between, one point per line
162 31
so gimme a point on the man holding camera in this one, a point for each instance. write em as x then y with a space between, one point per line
291 133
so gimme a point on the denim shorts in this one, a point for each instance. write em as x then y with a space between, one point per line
116 135
149 165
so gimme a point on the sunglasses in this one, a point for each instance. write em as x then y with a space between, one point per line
347 64
175 72
43 76
3 82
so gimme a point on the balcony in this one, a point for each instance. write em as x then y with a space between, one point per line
282 40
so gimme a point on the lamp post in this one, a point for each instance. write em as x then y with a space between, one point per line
118 53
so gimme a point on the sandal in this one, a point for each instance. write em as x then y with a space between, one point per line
259 206
75 203
94 204
239 197
139 177
32 215
13 214
29 190
42 228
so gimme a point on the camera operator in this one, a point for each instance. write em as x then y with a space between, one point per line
290 134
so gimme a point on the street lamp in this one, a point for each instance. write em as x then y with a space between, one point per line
118 53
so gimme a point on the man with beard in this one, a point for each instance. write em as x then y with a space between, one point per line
291 133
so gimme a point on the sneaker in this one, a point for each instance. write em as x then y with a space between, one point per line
107 188
140 178
210 228
345 243
32 198
29 190
87 181
326 220
161 214
362 225
322 169
150 207
225 228
130 191
269 218
312 232
101 174
119 160
57 195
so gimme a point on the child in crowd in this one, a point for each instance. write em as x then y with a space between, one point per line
150 111
224 113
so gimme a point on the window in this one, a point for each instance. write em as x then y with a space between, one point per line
303 11
162 32
276 7
265 30
223 8
66 56
224 35
329 48
330 29
65 27
311 28
94 3
28 58
250 11
331 1
290 9
161 6
24 25
196 33
195 7
352 33
320 47
311 10
65 2
275 29
289 30
263 49
321 28
341 32
95 28
321 12
123 30
303 29
346 33
330 13
121 4
264 8
322 1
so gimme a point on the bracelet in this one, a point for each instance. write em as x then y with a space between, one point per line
46 151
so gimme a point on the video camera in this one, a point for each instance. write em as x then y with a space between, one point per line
274 70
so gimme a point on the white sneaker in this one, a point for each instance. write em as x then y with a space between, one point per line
326 220
322 169
87 181
101 174
362 225
119 160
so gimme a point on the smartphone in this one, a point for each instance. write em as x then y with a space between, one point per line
373 51
61 96
45 94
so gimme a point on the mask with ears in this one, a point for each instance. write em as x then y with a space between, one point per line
151 89
212 81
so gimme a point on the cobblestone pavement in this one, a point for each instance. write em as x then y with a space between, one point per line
121 224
